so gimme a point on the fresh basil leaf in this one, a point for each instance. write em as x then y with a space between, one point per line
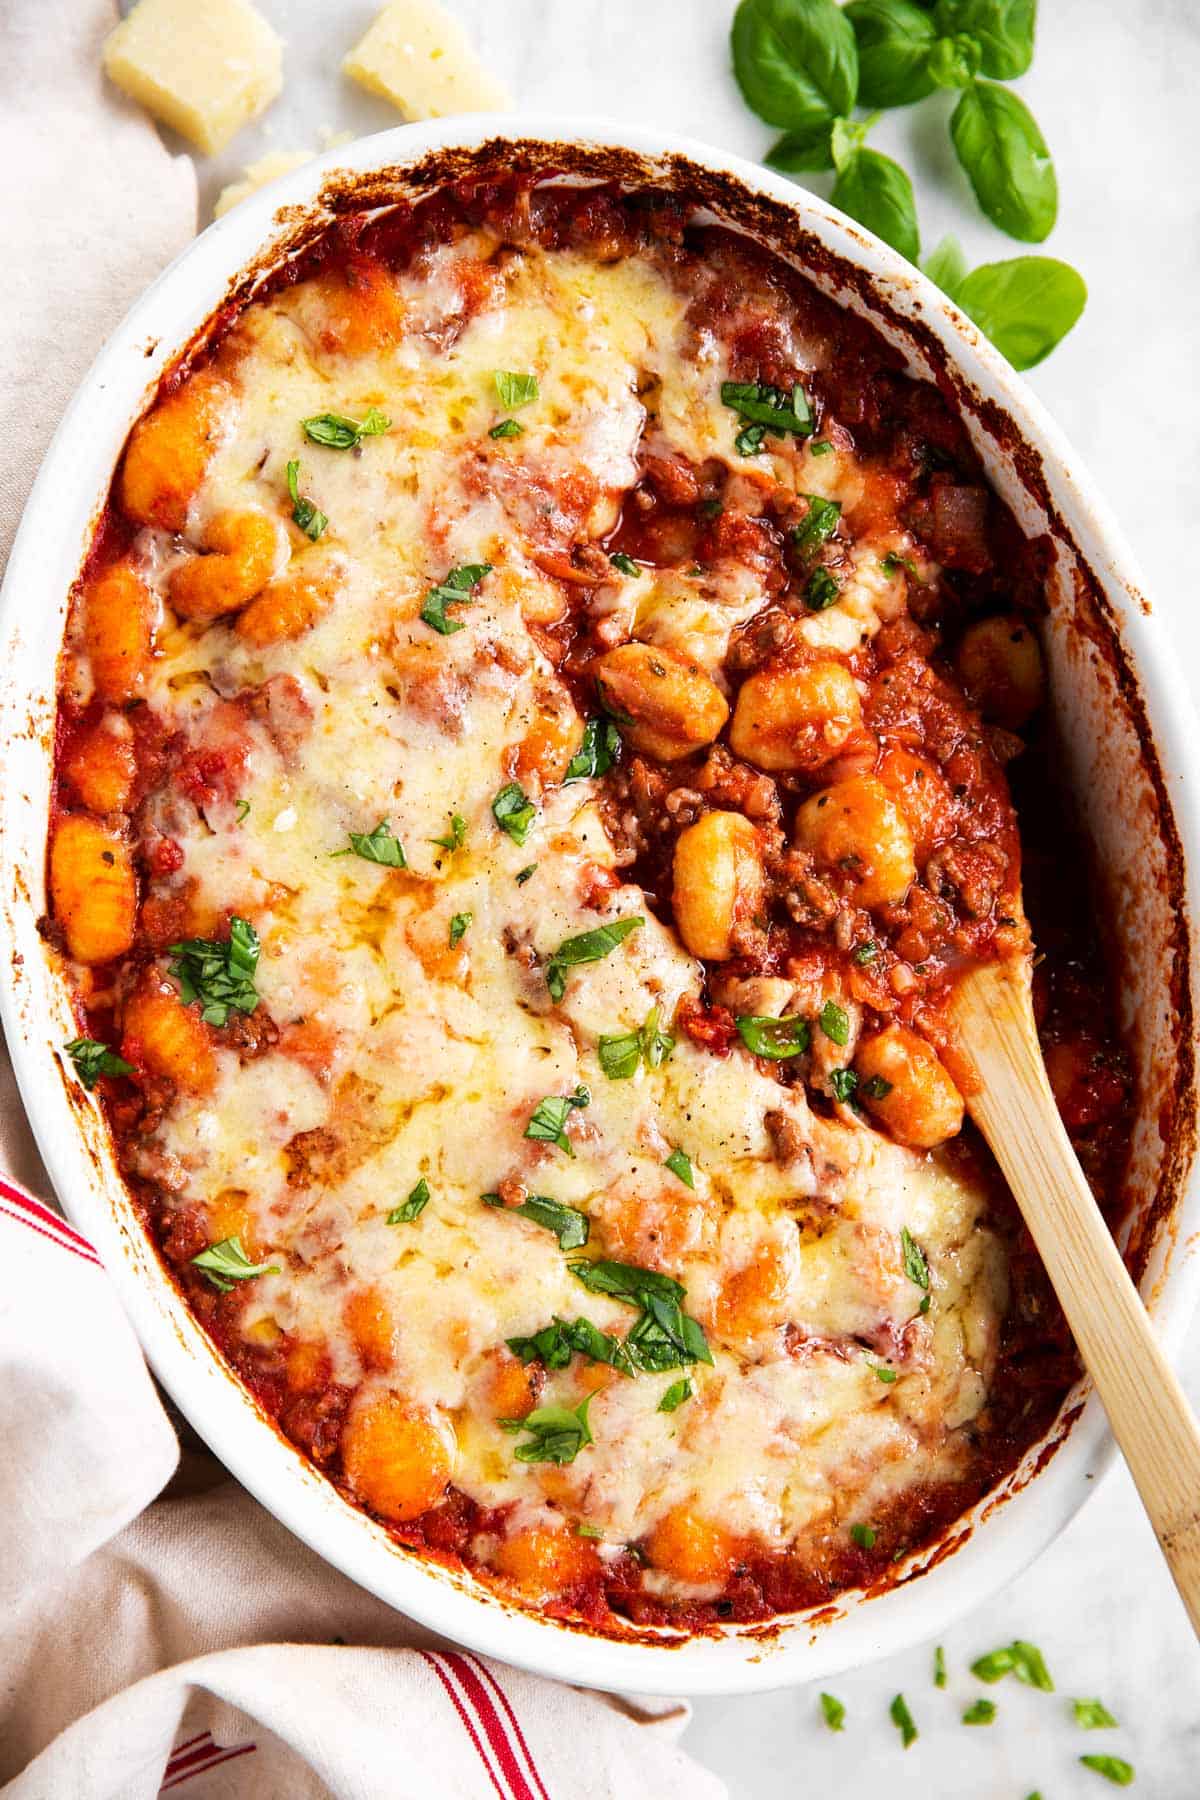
843 1083
548 1121
915 1265
1113 1768
624 563
515 391
596 755
980 1712
876 191
796 61
946 266
569 1225
1007 161
1003 29
456 837
864 1536
834 1712
220 974
894 40
556 1343
903 1721
954 61
514 812
816 527
835 1023
680 1165
1093 1715
1025 306
625 1281
93 1059
800 152
378 846
589 946
460 924
338 433
777 1039
665 1337
457 590
557 1433
227 1262
305 513
621 1053
676 1394
507 428
773 409
413 1207
822 590
939 1667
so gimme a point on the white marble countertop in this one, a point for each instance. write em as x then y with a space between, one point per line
1116 89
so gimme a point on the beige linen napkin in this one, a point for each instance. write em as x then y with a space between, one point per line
200 1647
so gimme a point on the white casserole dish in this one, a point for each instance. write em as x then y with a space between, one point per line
1126 730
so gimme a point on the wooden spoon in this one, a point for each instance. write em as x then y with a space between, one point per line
1013 1106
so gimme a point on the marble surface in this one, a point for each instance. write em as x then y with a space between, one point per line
1116 89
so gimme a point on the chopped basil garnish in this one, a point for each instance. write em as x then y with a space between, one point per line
507 428
749 440
589 946
624 563
843 1082
568 1224
875 1088
305 513
93 1059
338 433
885 1374
771 1037
626 1281
865 953
665 1337
458 589
460 924
588 1531
676 1394
939 1667
413 1207
621 1053
817 526
1019 1658
557 1433
771 408
835 1023
524 874
1093 1715
892 565
514 391
680 1165
227 1262
456 837
1113 1768
548 1121
915 1265
597 753
556 1343
834 1711
218 974
514 812
820 447
903 1721
980 1712
378 846
243 811
864 1536
822 590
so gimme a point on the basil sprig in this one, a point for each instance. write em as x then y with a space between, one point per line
93 1059
873 189
227 1262
795 61
218 973
998 143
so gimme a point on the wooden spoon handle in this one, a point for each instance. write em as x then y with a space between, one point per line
1147 1409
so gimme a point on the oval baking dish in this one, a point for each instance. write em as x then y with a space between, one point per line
1123 728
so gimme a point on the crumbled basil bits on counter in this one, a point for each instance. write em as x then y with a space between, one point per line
557 1433
460 924
569 1225
311 520
817 526
1022 1659
220 974
777 1039
1093 1715
336 432
864 1536
413 1207
226 1262
600 749
842 1083
93 1059
676 1394
834 1021
939 1667
515 391
507 428
833 1712
980 1712
771 409
514 812
1113 1768
902 1719
589 946
456 837
378 846
458 589
680 1165
548 1121
822 590
624 564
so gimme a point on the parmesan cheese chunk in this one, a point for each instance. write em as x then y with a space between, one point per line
257 175
205 70
419 58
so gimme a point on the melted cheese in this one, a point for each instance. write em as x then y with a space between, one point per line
430 1059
